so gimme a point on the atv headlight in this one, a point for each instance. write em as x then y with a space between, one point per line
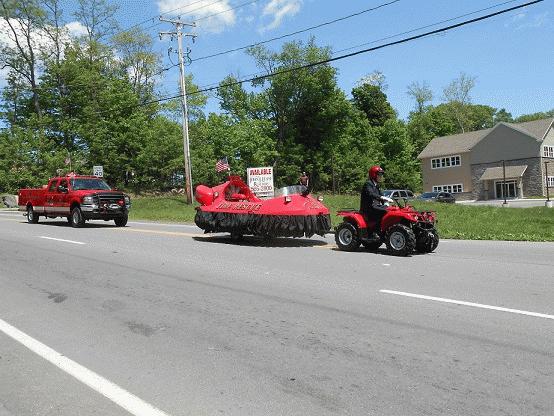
127 200
87 200
320 198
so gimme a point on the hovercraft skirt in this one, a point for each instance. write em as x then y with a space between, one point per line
263 225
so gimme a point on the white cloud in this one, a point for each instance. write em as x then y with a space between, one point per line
40 40
76 29
279 9
524 20
212 16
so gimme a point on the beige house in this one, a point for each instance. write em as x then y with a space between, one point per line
474 165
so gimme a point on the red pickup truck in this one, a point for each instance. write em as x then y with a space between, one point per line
78 198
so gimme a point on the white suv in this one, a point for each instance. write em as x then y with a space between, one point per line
398 193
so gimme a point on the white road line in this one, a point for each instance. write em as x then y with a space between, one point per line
59 239
475 305
116 394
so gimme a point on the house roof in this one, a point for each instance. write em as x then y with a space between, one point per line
498 172
464 142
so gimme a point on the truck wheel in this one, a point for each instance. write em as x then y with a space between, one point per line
400 240
346 237
121 221
427 241
77 220
32 217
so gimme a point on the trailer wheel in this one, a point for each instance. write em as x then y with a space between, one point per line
77 220
32 216
346 237
400 240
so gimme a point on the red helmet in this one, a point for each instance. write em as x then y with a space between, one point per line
374 171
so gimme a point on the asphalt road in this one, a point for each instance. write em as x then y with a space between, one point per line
156 319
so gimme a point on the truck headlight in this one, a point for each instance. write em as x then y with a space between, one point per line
87 200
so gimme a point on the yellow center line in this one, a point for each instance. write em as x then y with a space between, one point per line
174 233
327 246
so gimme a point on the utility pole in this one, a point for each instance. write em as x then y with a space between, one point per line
179 33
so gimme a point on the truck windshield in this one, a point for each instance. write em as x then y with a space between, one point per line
89 183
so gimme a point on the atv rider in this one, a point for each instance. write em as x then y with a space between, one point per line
371 202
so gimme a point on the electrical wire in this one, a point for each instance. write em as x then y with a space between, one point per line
340 57
298 31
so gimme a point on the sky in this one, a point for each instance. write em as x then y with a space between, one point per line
511 55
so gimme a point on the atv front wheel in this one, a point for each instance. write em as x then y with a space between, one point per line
427 241
400 240
346 237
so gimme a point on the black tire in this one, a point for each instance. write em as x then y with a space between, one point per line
400 240
76 220
237 237
427 241
121 221
372 246
32 216
346 237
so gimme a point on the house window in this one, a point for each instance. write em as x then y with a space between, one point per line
445 162
453 189
548 151
550 181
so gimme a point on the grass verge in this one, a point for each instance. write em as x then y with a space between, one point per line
455 221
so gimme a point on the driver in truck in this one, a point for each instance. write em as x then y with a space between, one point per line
372 201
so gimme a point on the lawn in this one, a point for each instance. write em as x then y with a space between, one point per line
455 221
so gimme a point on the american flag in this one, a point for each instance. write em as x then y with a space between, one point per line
222 164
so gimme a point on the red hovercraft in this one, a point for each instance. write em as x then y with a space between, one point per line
233 208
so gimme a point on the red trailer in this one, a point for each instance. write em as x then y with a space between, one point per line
233 208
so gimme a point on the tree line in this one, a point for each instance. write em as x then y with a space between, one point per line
95 99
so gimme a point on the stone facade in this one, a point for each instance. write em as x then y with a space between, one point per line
530 184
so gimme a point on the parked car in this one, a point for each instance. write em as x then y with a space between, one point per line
398 193
437 196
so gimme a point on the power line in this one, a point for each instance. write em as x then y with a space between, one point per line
298 31
228 10
161 14
169 12
211 15
341 50
340 57
494 6
349 55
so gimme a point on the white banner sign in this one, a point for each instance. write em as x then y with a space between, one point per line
260 181
98 171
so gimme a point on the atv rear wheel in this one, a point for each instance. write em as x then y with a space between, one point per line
346 237
400 240
427 241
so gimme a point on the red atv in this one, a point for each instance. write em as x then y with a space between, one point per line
403 230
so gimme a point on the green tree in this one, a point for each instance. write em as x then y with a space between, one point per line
535 116
373 102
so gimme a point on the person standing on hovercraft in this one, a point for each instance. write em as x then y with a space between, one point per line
371 201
